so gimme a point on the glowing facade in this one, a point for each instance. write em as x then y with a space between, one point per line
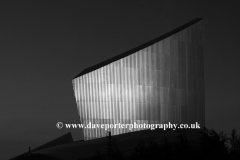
160 81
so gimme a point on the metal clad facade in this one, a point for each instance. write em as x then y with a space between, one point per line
161 83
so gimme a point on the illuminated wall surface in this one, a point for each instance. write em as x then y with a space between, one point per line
158 82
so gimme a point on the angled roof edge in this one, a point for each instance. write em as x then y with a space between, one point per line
125 54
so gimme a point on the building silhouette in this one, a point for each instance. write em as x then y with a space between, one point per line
157 82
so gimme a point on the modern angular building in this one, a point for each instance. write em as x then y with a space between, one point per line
160 81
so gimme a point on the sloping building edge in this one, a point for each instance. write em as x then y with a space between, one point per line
125 54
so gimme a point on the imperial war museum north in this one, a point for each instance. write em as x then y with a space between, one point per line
158 82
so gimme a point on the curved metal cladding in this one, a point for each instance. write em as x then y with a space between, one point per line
161 83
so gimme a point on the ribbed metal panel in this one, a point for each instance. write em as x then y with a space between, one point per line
160 83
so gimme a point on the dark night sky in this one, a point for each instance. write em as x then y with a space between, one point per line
44 44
